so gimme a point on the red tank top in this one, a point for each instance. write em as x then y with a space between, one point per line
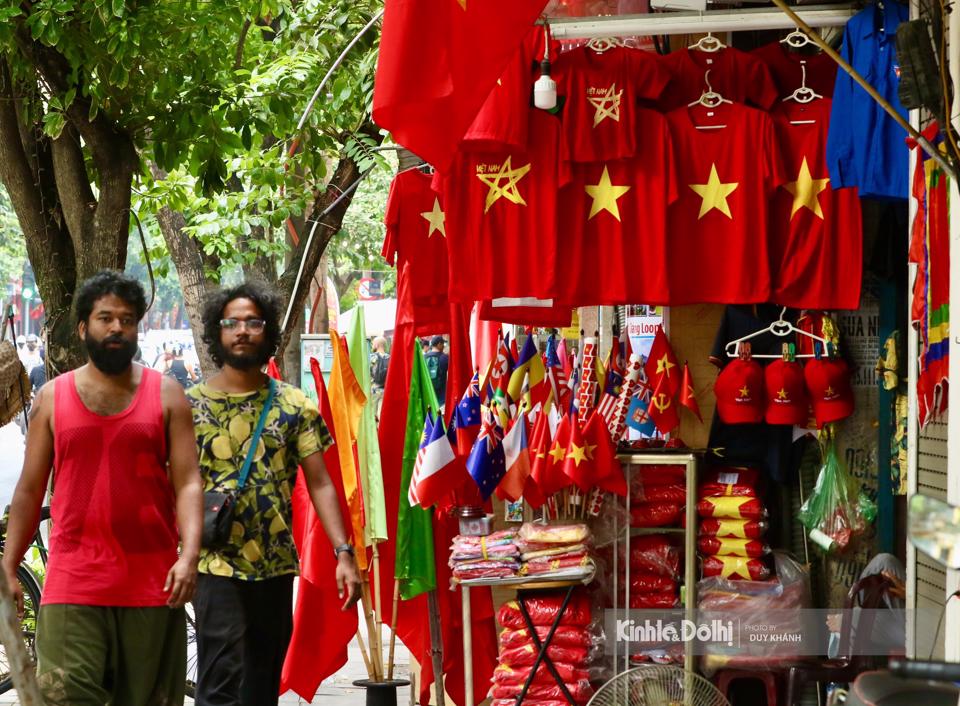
114 535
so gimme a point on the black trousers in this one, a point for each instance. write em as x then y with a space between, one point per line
243 630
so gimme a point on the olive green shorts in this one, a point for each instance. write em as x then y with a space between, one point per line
93 656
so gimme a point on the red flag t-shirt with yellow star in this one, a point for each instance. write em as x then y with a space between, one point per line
601 91
717 236
734 74
417 233
816 238
501 207
613 220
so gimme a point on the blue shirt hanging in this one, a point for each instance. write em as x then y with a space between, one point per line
865 147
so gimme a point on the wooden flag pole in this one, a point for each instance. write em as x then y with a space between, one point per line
393 628
375 657
363 653
436 644
21 666
378 607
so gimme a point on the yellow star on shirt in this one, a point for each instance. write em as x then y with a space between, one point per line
782 394
828 392
557 452
578 454
805 190
605 195
509 190
435 219
744 391
714 194
607 104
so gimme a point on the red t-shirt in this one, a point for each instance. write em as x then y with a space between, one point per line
734 74
786 68
613 222
417 233
601 92
501 205
816 238
717 244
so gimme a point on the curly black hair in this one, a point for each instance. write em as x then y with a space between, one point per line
107 282
267 302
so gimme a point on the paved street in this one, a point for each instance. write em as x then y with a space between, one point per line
338 690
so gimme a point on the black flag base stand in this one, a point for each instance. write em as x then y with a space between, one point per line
381 693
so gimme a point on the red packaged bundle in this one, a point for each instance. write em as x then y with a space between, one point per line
548 564
528 702
733 507
660 474
655 554
581 691
655 514
732 546
719 482
648 582
721 527
735 567
504 674
676 493
655 601
526 655
565 636
543 610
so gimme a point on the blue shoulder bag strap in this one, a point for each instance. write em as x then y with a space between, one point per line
255 439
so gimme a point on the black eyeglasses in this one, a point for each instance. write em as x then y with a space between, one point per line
251 325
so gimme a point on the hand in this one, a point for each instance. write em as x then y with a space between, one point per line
181 582
348 580
898 589
16 589
833 622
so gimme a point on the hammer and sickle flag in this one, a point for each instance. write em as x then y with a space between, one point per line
663 408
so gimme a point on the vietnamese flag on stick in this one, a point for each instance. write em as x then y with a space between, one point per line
662 364
439 59
687 396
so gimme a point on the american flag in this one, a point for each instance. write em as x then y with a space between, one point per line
421 452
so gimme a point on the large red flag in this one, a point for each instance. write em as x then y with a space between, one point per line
439 59
609 472
662 409
321 631
662 364
688 397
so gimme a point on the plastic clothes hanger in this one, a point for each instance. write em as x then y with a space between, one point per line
709 99
602 44
796 39
803 94
781 327
708 43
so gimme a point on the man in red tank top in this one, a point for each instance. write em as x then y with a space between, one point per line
119 439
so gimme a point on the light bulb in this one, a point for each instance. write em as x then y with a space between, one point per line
545 89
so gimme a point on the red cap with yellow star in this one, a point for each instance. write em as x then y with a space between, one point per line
739 391
787 401
828 383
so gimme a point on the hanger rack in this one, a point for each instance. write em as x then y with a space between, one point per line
781 327
717 21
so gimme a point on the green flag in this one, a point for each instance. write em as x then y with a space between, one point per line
414 568
368 445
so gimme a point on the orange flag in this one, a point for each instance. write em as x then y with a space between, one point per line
687 397
346 406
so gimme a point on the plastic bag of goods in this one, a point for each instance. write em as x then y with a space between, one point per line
659 474
544 608
505 674
564 636
732 546
525 655
581 691
655 554
663 600
676 493
554 534
660 514
732 507
722 527
736 482
735 567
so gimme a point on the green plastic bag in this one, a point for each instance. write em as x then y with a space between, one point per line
836 511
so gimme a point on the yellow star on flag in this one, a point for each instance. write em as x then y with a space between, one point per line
509 190
607 104
605 195
578 454
557 452
462 3
805 190
714 194
664 365
782 394
588 448
744 391
732 565
435 219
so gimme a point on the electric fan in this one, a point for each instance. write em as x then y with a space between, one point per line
657 685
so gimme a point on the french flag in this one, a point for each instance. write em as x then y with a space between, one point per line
436 476
516 449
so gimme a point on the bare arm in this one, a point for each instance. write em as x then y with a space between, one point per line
31 487
325 502
185 476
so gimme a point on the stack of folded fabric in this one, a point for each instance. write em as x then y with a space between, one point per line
493 556
571 650
732 525
561 550
658 495
654 574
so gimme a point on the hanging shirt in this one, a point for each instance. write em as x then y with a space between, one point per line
734 74
501 203
816 238
417 233
601 93
717 245
613 218
786 67
865 147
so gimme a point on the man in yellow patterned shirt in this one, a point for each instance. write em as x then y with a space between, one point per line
244 596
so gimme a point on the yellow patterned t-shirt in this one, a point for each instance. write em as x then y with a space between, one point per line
261 543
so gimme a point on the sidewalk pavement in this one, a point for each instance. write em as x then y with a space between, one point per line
337 690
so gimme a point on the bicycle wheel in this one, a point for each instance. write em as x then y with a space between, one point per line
191 651
28 625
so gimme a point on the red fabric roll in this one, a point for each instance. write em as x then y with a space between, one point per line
544 609
736 508
722 527
732 546
735 567
655 514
